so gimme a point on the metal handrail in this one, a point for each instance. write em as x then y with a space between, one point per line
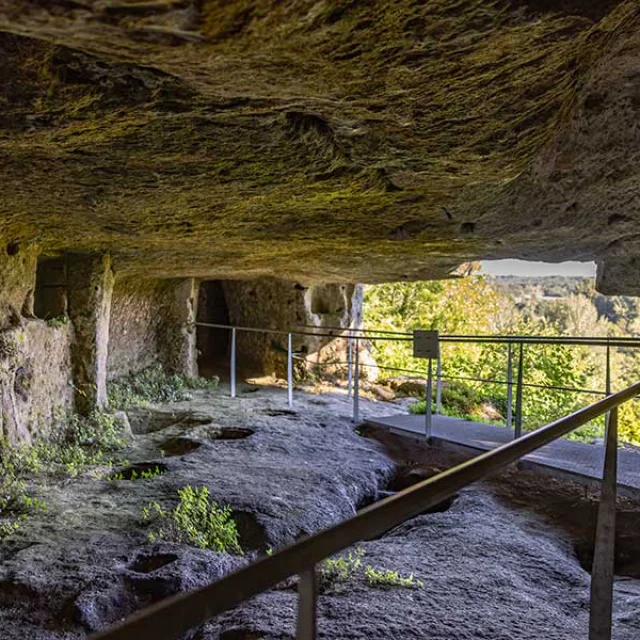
176 615
447 377
602 341
354 336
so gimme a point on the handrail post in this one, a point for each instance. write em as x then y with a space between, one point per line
307 606
232 372
518 426
439 384
602 572
428 410
608 371
510 387
349 366
356 384
290 370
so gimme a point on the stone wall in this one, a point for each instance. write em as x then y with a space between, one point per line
92 326
135 322
280 305
35 356
17 281
151 324
35 378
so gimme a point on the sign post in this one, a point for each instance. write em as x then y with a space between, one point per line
426 344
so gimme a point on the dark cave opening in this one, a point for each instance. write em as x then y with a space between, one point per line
50 295
213 344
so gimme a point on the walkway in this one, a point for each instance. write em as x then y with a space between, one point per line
561 457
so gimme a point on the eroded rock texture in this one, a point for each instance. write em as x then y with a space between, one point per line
280 305
498 562
328 140
35 357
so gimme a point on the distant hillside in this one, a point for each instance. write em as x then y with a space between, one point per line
541 291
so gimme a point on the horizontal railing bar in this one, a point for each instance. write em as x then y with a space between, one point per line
611 340
283 332
362 364
593 392
328 332
174 616
444 377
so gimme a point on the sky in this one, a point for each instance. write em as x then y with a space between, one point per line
527 268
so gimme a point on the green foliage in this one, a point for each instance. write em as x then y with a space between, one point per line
478 306
196 520
336 574
389 578
59 321
16 503
154 385
78 444
145 474
81 443
99 431
464 400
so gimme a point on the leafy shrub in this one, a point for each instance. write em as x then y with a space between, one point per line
463 401
196 520
99 431
389 578
154 385
80 443
15 502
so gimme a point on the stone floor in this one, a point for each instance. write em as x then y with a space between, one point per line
503 561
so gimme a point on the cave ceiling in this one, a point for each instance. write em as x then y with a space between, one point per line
334 140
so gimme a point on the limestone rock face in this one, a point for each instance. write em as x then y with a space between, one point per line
35 389
280 305
90 282
321 141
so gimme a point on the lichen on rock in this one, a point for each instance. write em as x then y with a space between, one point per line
322 141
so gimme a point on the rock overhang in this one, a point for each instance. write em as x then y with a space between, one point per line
321 141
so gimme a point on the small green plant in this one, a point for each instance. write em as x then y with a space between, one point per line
389 578
75 444
16 504
57 322
81 442
154 385
196 520
145 474
336 573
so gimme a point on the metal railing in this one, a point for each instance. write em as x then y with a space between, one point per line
178 614
515 375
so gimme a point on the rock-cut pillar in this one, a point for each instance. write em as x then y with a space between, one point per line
177 337
90 286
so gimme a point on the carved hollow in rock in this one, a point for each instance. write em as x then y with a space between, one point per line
281 412
151 563
252 534
241 634
179 446
231 433
407 477
627 547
